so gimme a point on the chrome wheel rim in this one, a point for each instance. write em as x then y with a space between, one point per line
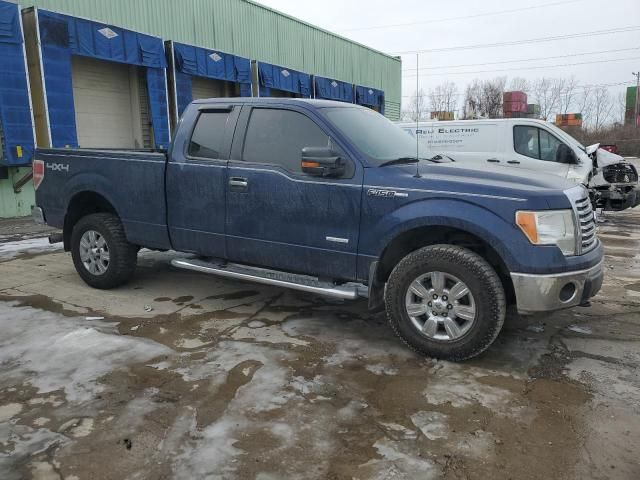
94 252
440 306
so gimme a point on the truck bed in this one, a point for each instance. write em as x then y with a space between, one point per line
132 181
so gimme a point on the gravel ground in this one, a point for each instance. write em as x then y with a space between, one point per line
181 375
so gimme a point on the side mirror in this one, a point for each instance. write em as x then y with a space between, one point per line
322 162
565 155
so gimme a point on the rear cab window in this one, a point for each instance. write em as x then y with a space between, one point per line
207 138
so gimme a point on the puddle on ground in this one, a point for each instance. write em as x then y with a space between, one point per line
239 295
633 286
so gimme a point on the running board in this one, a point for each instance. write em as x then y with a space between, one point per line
349 291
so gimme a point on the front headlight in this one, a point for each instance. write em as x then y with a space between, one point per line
550 227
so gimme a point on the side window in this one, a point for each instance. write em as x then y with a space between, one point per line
548 146
526 141
208 134
278 137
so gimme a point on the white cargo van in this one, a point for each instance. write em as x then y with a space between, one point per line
533 145
515 142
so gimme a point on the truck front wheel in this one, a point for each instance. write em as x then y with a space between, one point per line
101 253
445 302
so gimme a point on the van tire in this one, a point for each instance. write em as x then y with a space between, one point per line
483 283
122 255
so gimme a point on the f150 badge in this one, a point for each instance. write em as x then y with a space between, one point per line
377 192
58 167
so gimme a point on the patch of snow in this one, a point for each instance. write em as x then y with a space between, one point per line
536 328
459 386
398 432
53 352
380 369
10 410
398 462
583 329
41 421
11 250
256 324
190 343
43 471
52 400
433 425
20 443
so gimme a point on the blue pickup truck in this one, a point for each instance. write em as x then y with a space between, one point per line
330 198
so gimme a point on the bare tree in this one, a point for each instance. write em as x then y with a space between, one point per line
444 98
620 107
585 105
520 84
568 94
546 93
417 107
483 99
602 110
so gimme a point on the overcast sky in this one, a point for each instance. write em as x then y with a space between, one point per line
436 25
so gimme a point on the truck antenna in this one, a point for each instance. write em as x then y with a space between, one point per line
417 175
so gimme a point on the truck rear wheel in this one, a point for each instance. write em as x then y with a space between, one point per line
101 253
445 302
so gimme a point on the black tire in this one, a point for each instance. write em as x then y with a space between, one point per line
122 254
481 280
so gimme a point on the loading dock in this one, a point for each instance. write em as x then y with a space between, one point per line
97 85
331 89
16 121
196 72
370 97
278 81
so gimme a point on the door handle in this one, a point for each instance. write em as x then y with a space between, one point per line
514 162
238 182
493 160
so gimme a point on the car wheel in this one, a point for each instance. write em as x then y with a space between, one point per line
101 253
445 302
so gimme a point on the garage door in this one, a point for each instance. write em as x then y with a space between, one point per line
207 88
107 104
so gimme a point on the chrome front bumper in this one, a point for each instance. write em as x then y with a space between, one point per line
544 293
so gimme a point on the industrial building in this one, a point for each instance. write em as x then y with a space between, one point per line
90 73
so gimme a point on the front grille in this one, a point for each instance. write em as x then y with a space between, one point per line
620 173
587 224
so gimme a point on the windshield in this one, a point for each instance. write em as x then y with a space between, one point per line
375 136
562 134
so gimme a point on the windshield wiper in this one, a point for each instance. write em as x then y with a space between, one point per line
399 161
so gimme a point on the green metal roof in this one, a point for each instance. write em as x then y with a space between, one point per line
246 28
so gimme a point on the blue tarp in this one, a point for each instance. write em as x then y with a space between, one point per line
15 112
201 62
329 89
63 36
370 97
281 78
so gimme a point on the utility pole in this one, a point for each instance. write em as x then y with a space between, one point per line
637 103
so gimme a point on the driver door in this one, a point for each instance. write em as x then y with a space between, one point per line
279 217
536 149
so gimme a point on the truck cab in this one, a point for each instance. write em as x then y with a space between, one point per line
330 198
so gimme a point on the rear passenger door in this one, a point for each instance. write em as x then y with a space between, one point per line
196 182
280 217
